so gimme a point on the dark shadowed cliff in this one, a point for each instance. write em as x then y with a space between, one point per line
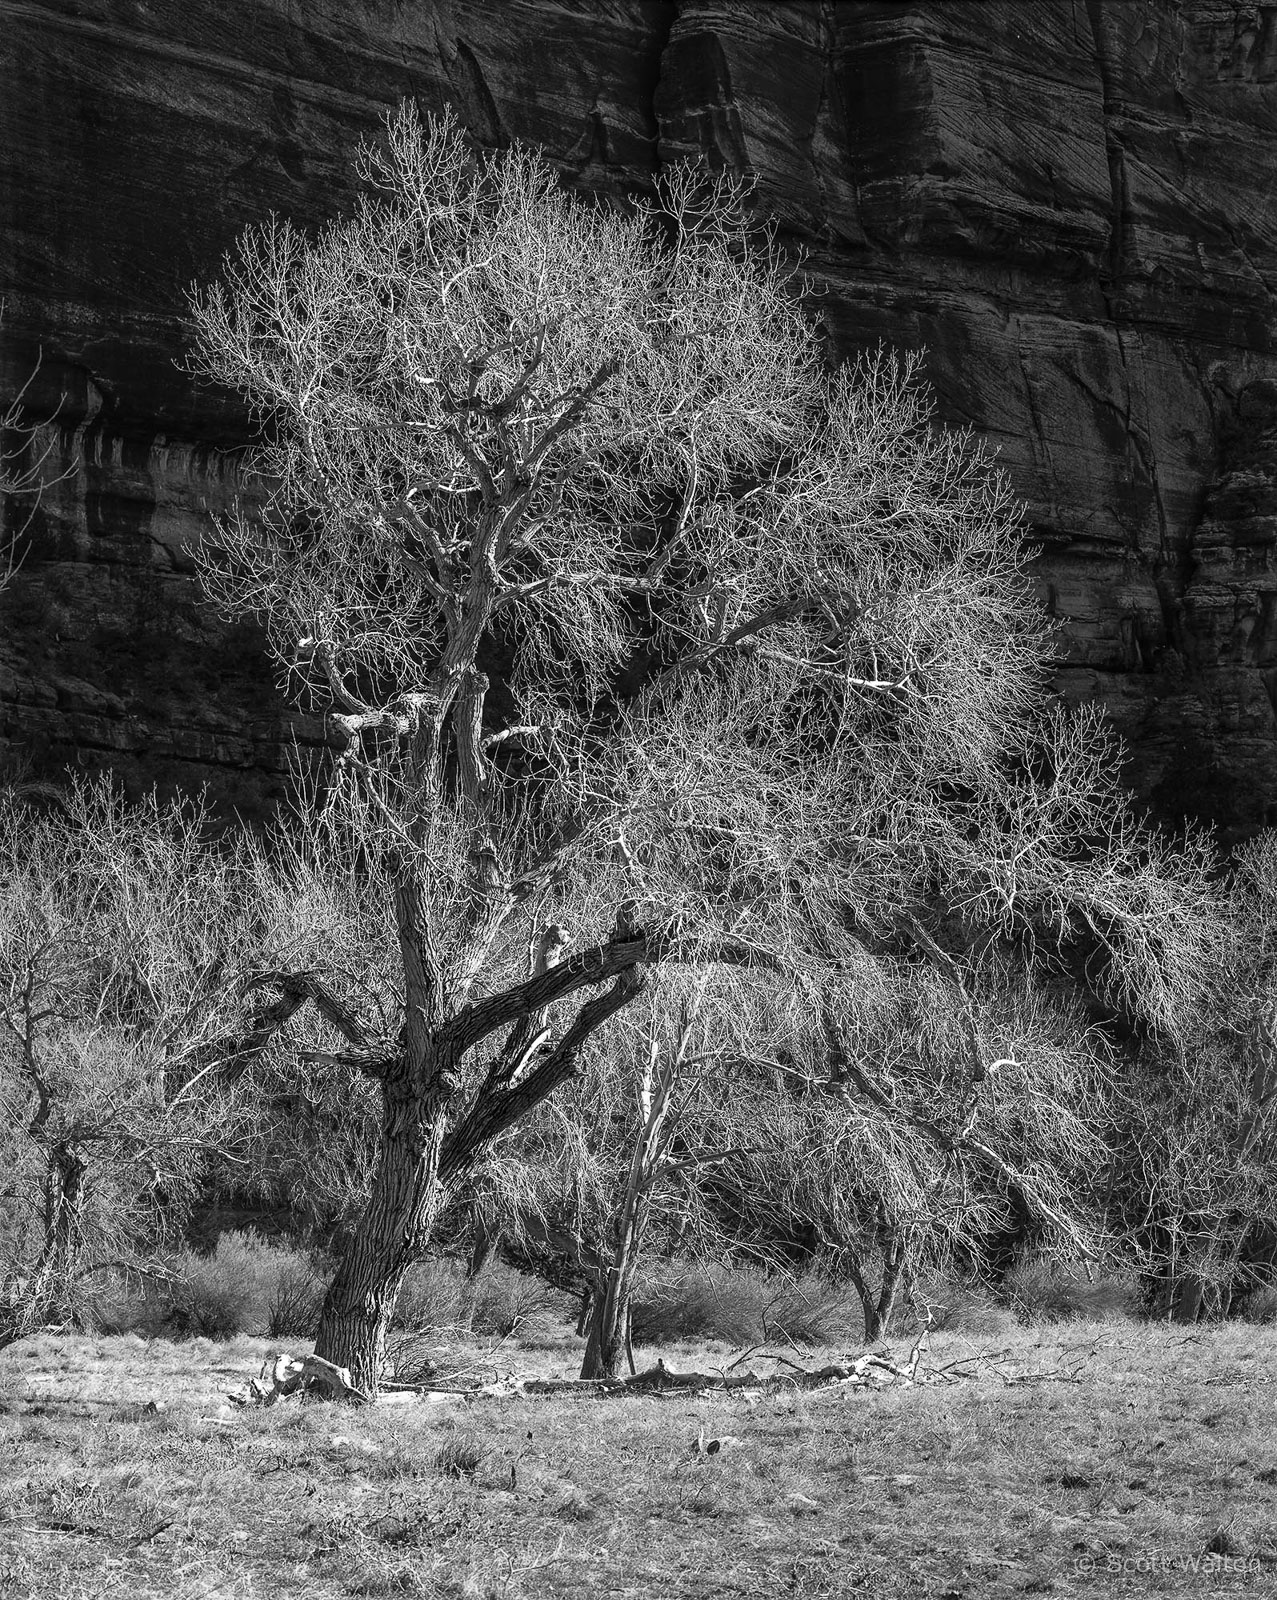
1072 205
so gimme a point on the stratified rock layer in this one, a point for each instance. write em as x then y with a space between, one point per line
1071 206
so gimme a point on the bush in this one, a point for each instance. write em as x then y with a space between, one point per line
700 1303
814 1311
121 1306
297 1299
436 1296
245 1284
742 1306
1047 1291
957 1305
502 1300
1261 1304
431 1297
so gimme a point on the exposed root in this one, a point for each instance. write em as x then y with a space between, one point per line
283 1375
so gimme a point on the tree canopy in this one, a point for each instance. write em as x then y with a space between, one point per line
650 639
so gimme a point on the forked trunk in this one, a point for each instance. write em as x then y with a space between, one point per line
392 1233
878 1307
609 1335
895 1254
613 1287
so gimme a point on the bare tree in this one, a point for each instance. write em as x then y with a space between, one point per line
1196 1190
27 449
124 940
647 639
960 1111
606 1164
148 960
612 1164
669 1080
872 1149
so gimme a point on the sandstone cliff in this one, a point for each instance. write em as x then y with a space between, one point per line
1072 205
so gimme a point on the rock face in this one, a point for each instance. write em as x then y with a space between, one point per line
1072 206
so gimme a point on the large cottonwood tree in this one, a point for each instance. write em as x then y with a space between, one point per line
646 636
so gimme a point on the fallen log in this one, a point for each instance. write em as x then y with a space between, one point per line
662 1380
283 1375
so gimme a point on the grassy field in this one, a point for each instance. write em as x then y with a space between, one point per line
1112 1458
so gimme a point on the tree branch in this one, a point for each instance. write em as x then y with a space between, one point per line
641 947
306 986
492 1113
372 1063
771 617
235 1053
945 963
528 1035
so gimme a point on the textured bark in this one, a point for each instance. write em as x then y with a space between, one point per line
431 1136
894 1257
877 1305
394 1229
498 1108
63 1207
608 1341
45 1294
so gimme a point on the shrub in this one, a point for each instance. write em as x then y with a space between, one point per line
431 1297
742 1306
436 1295
245 1284
297 1298
700 1303
957 1305
121 1306
502 1299
1261 1304
812 1310
1048 1291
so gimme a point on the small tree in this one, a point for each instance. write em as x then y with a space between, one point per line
965 1108
1196 1181
24 463
123 941
647 639
613 1164
136 1074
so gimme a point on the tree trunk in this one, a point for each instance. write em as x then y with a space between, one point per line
1186 1299
895 1253
392 1233
46 1293
877 1308
63 1223
486 1239
868 1304
609 1336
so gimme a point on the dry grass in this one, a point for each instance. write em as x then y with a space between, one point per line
1105 1459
